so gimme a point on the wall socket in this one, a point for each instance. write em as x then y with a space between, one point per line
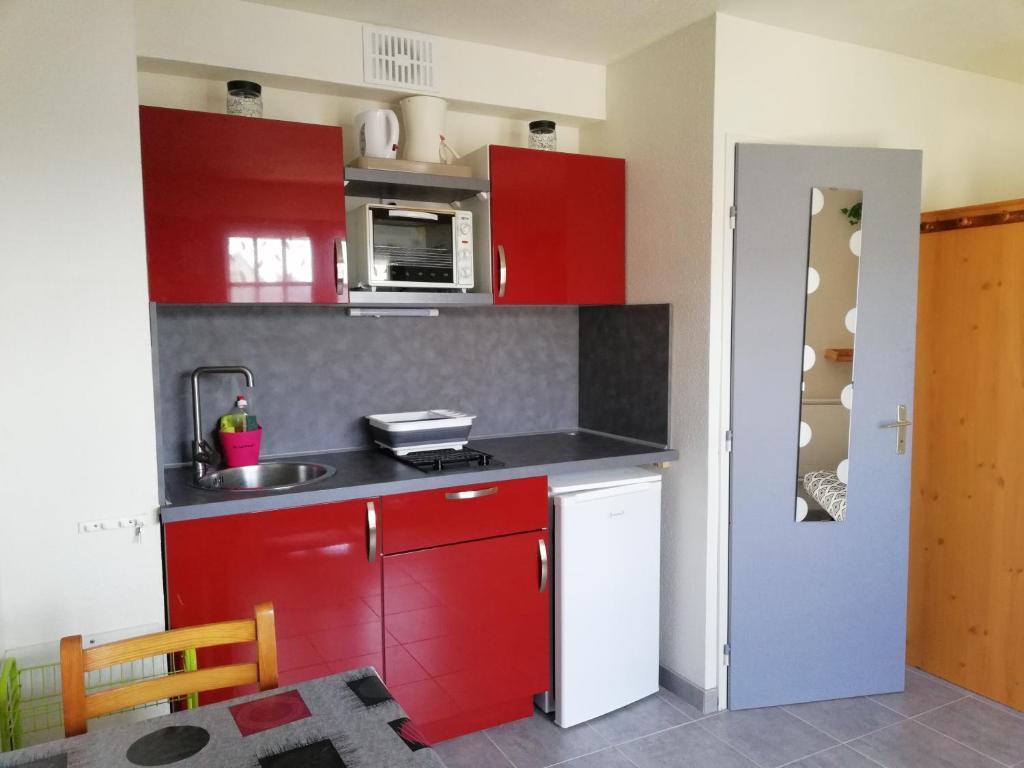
119 523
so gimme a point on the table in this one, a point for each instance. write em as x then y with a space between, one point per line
347 720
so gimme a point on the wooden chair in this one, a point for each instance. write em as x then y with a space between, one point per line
76 661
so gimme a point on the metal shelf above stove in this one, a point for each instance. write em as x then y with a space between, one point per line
402 185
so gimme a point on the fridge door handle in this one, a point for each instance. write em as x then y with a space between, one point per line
542 549
371 531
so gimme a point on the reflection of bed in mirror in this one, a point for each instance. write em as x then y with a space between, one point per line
830 423
828 494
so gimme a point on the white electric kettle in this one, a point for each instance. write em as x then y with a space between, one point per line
377 130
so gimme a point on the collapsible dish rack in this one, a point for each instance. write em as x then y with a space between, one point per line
30 697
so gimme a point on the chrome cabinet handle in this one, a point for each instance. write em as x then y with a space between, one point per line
543 549
502 271
456 495
341 265
900 425
371 527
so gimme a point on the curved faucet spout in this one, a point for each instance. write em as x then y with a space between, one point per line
203 454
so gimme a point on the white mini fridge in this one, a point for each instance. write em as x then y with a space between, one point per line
607 532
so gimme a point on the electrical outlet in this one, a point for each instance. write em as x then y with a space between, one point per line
119 523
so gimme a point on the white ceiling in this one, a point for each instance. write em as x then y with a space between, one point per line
985 36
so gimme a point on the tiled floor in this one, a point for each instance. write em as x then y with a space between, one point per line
931 725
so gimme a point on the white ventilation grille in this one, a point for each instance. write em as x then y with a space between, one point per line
399 59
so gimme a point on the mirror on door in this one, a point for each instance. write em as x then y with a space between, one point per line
830 326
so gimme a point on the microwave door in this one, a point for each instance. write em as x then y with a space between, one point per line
413 248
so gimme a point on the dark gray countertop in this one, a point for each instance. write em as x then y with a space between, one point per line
370 472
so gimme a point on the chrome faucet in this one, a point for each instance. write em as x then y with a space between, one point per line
203 454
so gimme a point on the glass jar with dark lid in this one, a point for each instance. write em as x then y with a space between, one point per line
542 135
245 98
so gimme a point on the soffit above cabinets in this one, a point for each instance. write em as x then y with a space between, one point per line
979 37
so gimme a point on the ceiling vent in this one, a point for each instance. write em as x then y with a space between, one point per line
398 59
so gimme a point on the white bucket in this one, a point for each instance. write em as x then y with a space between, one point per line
423 118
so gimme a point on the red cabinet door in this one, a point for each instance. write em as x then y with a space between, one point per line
241 210
311 562
467 632
558 221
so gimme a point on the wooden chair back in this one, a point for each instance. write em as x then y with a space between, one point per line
75 662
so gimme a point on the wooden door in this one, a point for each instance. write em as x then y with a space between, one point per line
558 227
966 604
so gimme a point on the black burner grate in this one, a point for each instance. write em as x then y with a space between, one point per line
439 461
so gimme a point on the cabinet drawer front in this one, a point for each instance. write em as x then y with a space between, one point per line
463 513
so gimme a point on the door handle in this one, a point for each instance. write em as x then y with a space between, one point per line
371 531
543 550
341 265
502 271
456 495
900 425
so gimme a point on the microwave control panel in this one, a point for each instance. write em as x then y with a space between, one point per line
464 249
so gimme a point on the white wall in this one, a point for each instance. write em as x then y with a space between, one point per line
788 86
76 387
774 85
241 37
659 107
465 131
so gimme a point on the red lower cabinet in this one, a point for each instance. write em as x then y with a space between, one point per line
312 562
467 632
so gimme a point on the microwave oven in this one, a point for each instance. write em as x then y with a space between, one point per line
400 247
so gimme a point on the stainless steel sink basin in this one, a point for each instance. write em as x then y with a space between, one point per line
272 476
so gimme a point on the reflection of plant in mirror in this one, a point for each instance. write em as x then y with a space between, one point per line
852 213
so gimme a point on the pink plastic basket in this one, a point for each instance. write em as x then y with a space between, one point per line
241 448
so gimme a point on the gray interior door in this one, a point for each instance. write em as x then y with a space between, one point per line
818 609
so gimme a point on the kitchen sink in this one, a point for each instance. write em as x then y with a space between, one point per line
272 476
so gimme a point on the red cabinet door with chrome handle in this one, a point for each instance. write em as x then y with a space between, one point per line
466 603
320 567
241 210
467 632
558 227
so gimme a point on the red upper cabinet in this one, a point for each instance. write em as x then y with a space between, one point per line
558 226
241 210
312 562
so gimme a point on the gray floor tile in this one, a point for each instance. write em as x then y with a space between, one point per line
536 741
683 706
911 745
639 719
688 746
845 719
837 757
606 758
472 751
999 705
939 680
979 725
770 737
923 692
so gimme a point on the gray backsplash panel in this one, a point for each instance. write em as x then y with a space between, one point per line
318 372
624 371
